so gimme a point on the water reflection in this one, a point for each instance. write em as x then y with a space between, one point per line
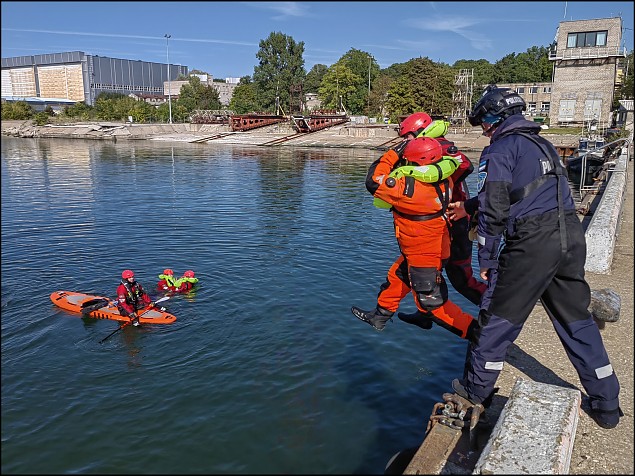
265 355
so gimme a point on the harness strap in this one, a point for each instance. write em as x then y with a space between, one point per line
557 172
444 198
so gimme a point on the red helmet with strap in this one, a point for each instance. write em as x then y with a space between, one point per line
423 151
414 123
189 273
168 271
127 273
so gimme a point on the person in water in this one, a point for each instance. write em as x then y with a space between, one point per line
186 282
131 296
167 281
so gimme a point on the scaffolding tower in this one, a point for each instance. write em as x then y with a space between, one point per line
462 100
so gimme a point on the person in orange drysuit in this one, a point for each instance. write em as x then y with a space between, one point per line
423 234
459 266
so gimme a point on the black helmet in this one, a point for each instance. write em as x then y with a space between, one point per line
501 102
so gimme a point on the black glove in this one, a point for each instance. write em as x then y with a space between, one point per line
399 148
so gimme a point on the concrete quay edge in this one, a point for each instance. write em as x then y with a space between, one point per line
534 433
604 226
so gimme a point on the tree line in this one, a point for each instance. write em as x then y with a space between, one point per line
354 83
357 83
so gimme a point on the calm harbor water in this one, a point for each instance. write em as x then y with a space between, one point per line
265 370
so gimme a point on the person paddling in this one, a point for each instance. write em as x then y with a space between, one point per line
131 296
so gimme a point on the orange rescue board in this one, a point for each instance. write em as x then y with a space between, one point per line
71 301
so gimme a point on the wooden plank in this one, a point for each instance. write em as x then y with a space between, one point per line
435 450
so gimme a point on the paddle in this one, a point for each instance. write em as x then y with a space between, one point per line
125 324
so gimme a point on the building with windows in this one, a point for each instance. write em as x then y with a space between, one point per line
76 76
537 96
587 61
225 90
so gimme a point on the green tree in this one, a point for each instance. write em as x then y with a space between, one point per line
281 65
142 112
314 78
338 82
245 97
626 90
422 86
379 95
162 113
80 110
41 118
364 66
483 72
401 98
196 95
106 106
18 110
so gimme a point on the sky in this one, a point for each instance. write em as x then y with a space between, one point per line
222 38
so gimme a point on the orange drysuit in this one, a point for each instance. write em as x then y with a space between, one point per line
423 235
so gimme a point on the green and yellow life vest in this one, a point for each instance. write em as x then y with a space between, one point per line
431 173
185 279
169 279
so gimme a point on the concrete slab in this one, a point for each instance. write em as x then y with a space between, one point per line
534 433
603 228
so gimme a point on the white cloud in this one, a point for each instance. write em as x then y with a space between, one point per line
285 9
469 28
112 35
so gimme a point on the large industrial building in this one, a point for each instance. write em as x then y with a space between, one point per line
76 76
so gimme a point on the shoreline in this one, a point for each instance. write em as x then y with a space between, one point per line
342 136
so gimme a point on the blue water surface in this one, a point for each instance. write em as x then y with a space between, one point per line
265 369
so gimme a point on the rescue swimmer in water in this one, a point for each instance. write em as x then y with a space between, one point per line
168 282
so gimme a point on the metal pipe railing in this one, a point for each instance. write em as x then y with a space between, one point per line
583 157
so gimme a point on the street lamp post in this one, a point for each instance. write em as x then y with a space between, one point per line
167 45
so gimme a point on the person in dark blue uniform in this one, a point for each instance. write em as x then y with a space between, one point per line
531 246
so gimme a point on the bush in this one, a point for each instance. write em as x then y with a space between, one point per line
41 118
19 110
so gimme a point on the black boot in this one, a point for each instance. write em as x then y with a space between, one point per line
421 319
376 318
459 389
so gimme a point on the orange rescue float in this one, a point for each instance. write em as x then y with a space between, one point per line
76 302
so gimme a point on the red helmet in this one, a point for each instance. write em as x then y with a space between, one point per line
423 151
127 273
414 123
168 271
189 273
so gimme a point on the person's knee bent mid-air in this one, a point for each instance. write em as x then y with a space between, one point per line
418 205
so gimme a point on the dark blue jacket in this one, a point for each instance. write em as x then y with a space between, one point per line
508 164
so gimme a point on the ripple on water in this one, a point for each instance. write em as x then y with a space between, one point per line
265 369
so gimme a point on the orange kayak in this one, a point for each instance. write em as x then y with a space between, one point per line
105 308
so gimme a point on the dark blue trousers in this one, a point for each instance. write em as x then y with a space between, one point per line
532 266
